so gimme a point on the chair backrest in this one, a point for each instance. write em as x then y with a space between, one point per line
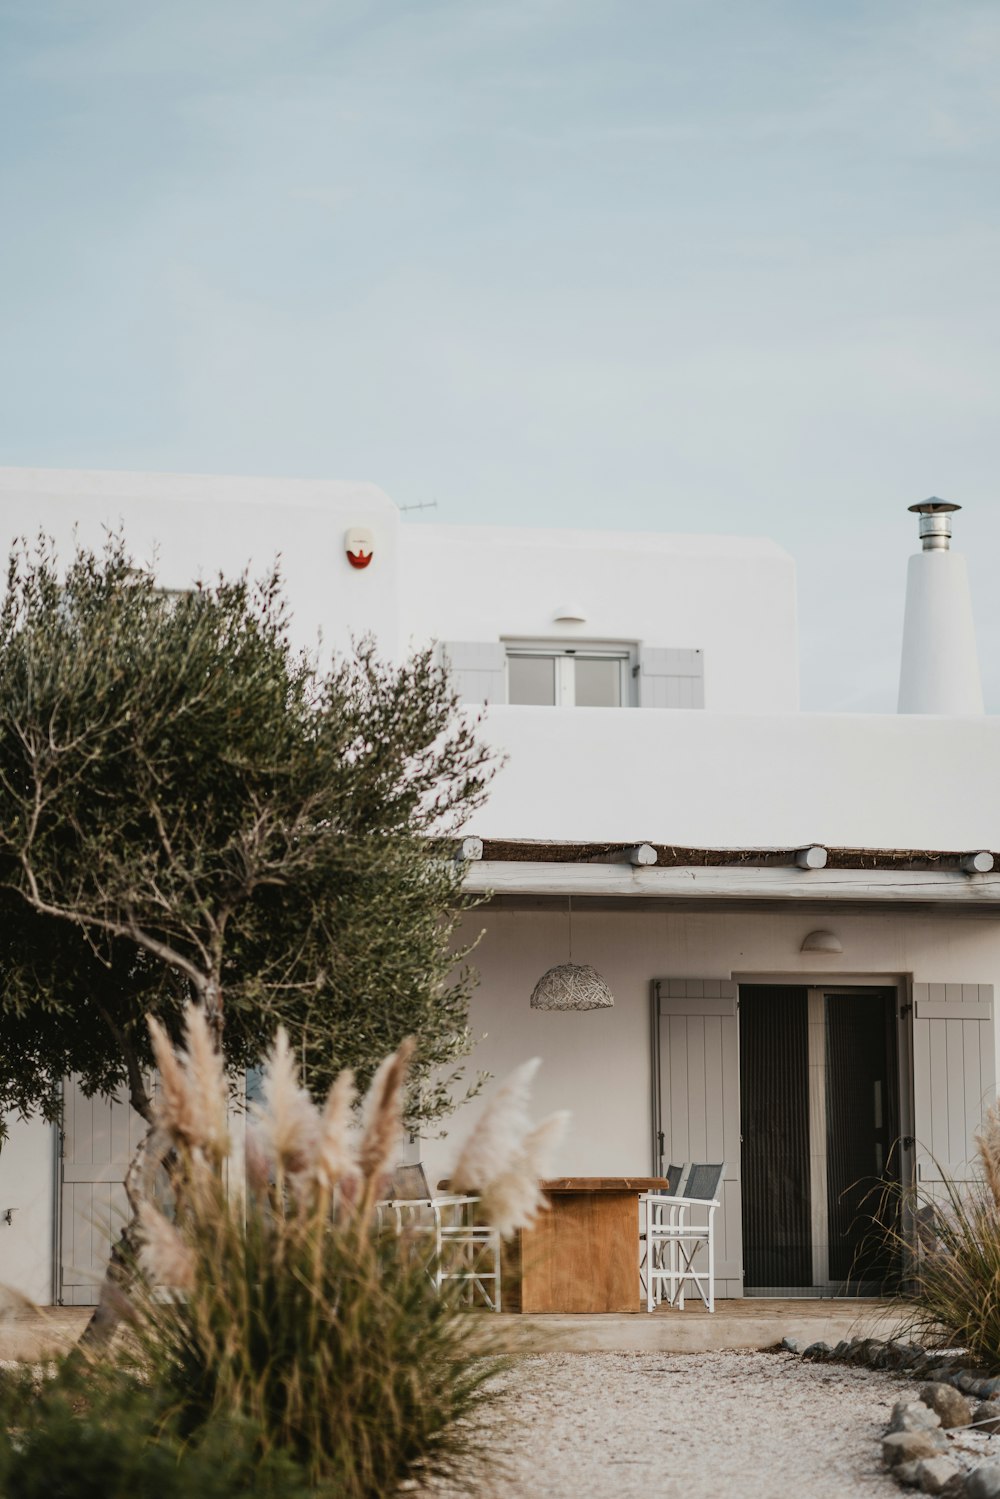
674 1174
409 1183
703 1181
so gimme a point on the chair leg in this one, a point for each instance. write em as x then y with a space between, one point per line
711 1271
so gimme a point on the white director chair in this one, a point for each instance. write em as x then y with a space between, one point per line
678 1226
461 1248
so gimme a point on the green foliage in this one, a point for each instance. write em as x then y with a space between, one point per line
949 1233
189 809
89 1432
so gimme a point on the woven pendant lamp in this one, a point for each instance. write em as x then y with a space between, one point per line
571 986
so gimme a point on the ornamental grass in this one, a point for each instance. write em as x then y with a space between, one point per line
269 1295
948 1235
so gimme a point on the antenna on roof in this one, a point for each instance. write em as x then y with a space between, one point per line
423 505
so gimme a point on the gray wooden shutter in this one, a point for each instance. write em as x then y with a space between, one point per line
697 1074
100 1136
671 678
478 670
954 1075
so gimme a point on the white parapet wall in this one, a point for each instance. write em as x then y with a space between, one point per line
711 780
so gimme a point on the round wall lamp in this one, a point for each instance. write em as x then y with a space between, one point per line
569 614
821 942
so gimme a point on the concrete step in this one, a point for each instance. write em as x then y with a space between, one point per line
735 1324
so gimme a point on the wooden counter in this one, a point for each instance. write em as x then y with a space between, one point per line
583 1254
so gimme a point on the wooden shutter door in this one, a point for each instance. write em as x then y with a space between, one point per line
698 1103
100 1136
954 1075
671 678
477 669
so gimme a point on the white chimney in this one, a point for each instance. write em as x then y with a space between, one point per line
939 672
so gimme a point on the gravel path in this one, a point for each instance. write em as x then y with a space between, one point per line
576 1425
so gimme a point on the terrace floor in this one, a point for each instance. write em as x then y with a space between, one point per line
751 1323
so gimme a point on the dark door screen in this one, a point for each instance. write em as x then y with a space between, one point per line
774 1089
862 1110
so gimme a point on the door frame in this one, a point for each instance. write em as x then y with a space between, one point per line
903 985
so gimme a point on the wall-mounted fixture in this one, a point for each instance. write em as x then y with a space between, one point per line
359 544
8 1216
980 863
821 942
569 614
814 857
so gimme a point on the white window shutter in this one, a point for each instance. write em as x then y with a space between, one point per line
477 669
954 1076
697 1073
671 678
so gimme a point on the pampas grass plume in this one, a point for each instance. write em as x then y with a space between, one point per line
289 1122
383 1112
164 1256
497 1140
171 1102
335 1155
206 1081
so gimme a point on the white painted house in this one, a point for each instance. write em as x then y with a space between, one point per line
788 908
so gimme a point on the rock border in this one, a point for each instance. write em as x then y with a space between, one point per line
918 1448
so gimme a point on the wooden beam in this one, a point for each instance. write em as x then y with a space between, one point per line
733 882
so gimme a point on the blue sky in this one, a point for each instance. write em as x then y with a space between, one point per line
708 266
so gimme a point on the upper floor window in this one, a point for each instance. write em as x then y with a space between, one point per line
569 676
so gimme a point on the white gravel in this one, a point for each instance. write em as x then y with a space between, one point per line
575 1425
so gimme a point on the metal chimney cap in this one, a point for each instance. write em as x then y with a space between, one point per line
935 523
933 506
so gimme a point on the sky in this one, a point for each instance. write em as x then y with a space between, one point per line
677 265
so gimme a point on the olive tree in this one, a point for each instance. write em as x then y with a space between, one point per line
190 808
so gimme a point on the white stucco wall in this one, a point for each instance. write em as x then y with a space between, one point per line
732 597
27 1176
597 1063
199 525
721 781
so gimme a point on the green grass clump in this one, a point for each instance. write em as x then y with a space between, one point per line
86 1432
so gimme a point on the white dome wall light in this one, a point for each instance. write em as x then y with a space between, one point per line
827 942
569 614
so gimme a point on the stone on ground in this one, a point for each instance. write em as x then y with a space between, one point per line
952 1407
909 1447
934 1474
983 1482
913 1415
986 1417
